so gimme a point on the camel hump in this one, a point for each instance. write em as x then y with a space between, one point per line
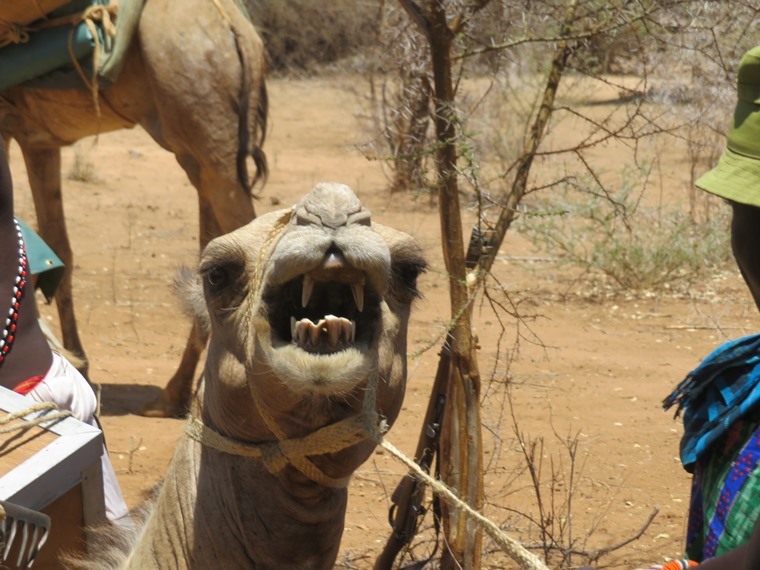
332 205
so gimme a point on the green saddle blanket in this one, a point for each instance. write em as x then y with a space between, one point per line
40 53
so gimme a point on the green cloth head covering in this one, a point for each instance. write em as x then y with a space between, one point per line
42 261
737 175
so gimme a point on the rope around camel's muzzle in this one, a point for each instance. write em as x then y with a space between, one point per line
275 455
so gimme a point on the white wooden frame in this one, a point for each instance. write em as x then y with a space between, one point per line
72 458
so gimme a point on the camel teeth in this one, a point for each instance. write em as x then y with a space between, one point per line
330 329
334 329
315 331
358 291
302 328
308 288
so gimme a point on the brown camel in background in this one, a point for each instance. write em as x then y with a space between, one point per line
193 78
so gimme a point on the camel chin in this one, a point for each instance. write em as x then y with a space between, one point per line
332 374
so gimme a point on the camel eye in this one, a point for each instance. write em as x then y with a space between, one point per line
405 274
408 272
217 277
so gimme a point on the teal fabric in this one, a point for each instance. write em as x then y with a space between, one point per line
43 262
46 51
45 62
724 388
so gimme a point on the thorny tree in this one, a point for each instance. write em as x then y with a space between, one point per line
528 49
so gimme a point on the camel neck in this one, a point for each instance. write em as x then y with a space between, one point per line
267 521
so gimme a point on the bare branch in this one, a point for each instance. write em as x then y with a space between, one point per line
566 37
416 15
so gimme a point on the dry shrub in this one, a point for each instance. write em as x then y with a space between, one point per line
305 35
83 169
629 245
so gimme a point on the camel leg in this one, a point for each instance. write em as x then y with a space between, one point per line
196 115
219 214
174 401
44 170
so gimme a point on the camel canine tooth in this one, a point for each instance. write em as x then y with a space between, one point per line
308 288
358 291
293 328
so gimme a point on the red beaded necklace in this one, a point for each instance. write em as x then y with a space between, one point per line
9 330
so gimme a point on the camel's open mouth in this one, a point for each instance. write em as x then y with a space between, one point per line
326 310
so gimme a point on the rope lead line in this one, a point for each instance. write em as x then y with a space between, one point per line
7 425
526 559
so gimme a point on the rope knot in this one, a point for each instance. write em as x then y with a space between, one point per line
273 458
11 33
103 14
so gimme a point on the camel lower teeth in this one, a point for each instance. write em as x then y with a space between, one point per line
330 330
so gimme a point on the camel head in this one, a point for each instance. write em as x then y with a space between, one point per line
307 307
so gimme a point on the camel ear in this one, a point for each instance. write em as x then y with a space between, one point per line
189 291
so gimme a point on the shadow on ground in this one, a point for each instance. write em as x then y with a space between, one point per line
123 399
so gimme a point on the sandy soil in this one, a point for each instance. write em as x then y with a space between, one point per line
590 369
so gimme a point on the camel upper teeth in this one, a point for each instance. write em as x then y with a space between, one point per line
358 291
308 287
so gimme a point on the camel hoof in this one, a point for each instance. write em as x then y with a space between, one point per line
164 407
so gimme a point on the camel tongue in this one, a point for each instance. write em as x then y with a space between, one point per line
330 331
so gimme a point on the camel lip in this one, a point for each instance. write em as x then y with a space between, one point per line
324 311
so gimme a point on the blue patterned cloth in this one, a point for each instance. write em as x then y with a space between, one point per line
722 389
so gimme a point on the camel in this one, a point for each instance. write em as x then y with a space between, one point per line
307 309
193 78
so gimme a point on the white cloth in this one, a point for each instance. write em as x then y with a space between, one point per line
67 388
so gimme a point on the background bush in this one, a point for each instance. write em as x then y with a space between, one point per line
629 244
302 36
